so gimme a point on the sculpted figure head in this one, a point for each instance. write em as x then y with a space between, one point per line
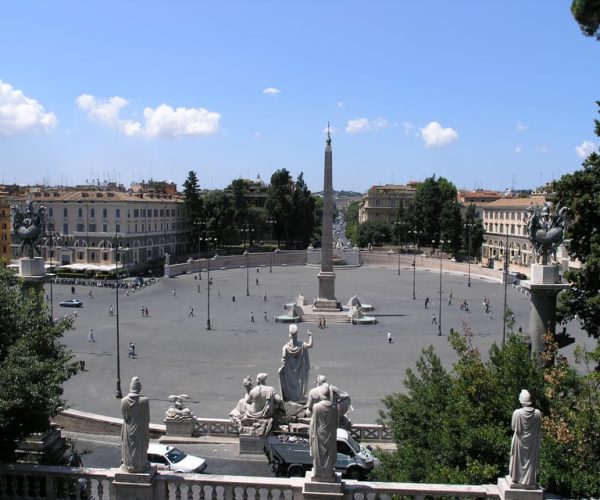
525 398
136 386
261 378
293 330
321 379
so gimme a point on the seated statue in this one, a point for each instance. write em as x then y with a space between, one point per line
179 408
300 300
356 312
354 301
263 401
239 412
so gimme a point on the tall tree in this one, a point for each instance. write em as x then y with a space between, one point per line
279 203
580 193
303 208
192 205
33 365
473 233
219 216
351 220
587 14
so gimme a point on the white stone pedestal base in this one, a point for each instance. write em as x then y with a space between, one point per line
315 489
31 267
513 491
179 426
139 486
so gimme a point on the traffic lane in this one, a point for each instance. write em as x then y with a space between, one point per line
105 452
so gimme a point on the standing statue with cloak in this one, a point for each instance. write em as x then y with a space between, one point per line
525 449
323 434
135 431
295 367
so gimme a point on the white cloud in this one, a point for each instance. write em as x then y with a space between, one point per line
271 91
518 149
340 104
407 127
585 149
332 130
365 125
256 135
436 136
542 148
521 127
164 121
19 113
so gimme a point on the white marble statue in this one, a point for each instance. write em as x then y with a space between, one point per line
323 433
239 412
525 450
295 367
179 409
340 398
263 401
135 431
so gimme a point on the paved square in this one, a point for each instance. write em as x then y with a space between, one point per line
177 355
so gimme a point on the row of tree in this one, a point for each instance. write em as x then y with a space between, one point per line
290 213
433 220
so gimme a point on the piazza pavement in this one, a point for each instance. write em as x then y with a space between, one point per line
177 355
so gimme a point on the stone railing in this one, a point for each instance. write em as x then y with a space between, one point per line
214 427
34 482
371 433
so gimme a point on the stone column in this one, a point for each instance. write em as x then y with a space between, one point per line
544 288
326 300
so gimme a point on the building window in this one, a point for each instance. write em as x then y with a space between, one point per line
136 213
105 213
93 256
128 214
65 228
118 228
143 212
118 213
143 228
65 212
105 228
92 213
104 256
135 229
156 212
80 212
92 228
162 212
80 255
79 227
50 212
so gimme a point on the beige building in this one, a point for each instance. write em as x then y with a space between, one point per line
382 203
502 219
87 222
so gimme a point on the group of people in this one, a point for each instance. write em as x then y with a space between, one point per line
144 311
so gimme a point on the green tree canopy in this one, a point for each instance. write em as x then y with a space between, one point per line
473 232
193 207
375 232
33 364
580 193
587 14
279 203
351 219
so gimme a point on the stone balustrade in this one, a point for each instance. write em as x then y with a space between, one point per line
34 482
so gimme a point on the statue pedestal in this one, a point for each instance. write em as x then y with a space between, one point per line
179 426
139 485
544 288
33 272
315 488
513 491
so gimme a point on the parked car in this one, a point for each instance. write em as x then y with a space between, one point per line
173 459
71 303
519 276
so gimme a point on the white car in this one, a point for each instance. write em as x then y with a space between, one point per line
173 459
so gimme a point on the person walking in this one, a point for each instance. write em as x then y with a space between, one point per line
433 319
218 294
91 337
320 325
146 312
143 311
265 316
426 302
252 317
389 337
91 295
174 293
324 322
131 353
265 297
191 313
111 311
256 281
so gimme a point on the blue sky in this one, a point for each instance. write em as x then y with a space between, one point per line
488 94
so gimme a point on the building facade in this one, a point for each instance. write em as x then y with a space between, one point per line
383 203
86 225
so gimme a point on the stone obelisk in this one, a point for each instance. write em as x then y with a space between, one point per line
326 300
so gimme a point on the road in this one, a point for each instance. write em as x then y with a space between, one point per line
105 452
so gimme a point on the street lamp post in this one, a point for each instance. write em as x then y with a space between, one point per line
398 261
118 392
51 234
246 254
441 242
468 228
397 224
505 287
208 291
414 262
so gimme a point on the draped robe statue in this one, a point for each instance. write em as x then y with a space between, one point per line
135 431
263 401
525 448
295 367
323 434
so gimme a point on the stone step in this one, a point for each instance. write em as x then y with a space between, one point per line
314 318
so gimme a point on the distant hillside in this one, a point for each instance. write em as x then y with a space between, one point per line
339 194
